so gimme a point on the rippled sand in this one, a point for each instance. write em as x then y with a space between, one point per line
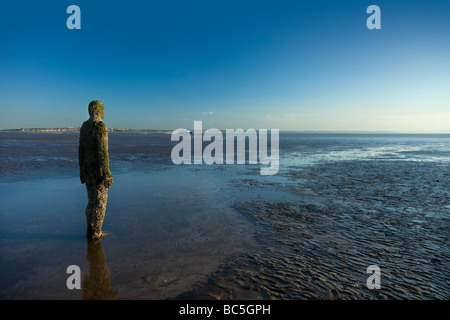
348 216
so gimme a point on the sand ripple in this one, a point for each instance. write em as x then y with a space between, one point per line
348 216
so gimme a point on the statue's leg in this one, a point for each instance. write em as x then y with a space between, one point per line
90 208
100 199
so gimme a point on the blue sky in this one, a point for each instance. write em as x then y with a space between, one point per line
289 65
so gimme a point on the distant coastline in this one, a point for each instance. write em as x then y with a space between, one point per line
72 129
126 130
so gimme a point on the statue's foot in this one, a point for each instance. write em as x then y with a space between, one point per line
96 236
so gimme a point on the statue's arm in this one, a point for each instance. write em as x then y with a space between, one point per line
103 155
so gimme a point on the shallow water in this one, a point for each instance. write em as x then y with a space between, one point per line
165 231
338 204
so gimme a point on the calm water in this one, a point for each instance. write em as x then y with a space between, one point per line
338 204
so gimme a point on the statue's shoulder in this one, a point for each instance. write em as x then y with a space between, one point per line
100 127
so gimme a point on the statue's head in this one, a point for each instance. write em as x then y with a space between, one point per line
96 110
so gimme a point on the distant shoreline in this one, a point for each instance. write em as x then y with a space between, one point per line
125 130
71 129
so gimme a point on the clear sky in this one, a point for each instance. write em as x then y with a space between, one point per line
288 65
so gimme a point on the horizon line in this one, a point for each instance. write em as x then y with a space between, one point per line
129 130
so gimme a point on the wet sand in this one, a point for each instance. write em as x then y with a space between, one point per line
348 216
337 206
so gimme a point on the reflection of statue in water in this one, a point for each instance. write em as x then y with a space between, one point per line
97 285
94 168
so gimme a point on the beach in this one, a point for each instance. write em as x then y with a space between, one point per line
338 204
